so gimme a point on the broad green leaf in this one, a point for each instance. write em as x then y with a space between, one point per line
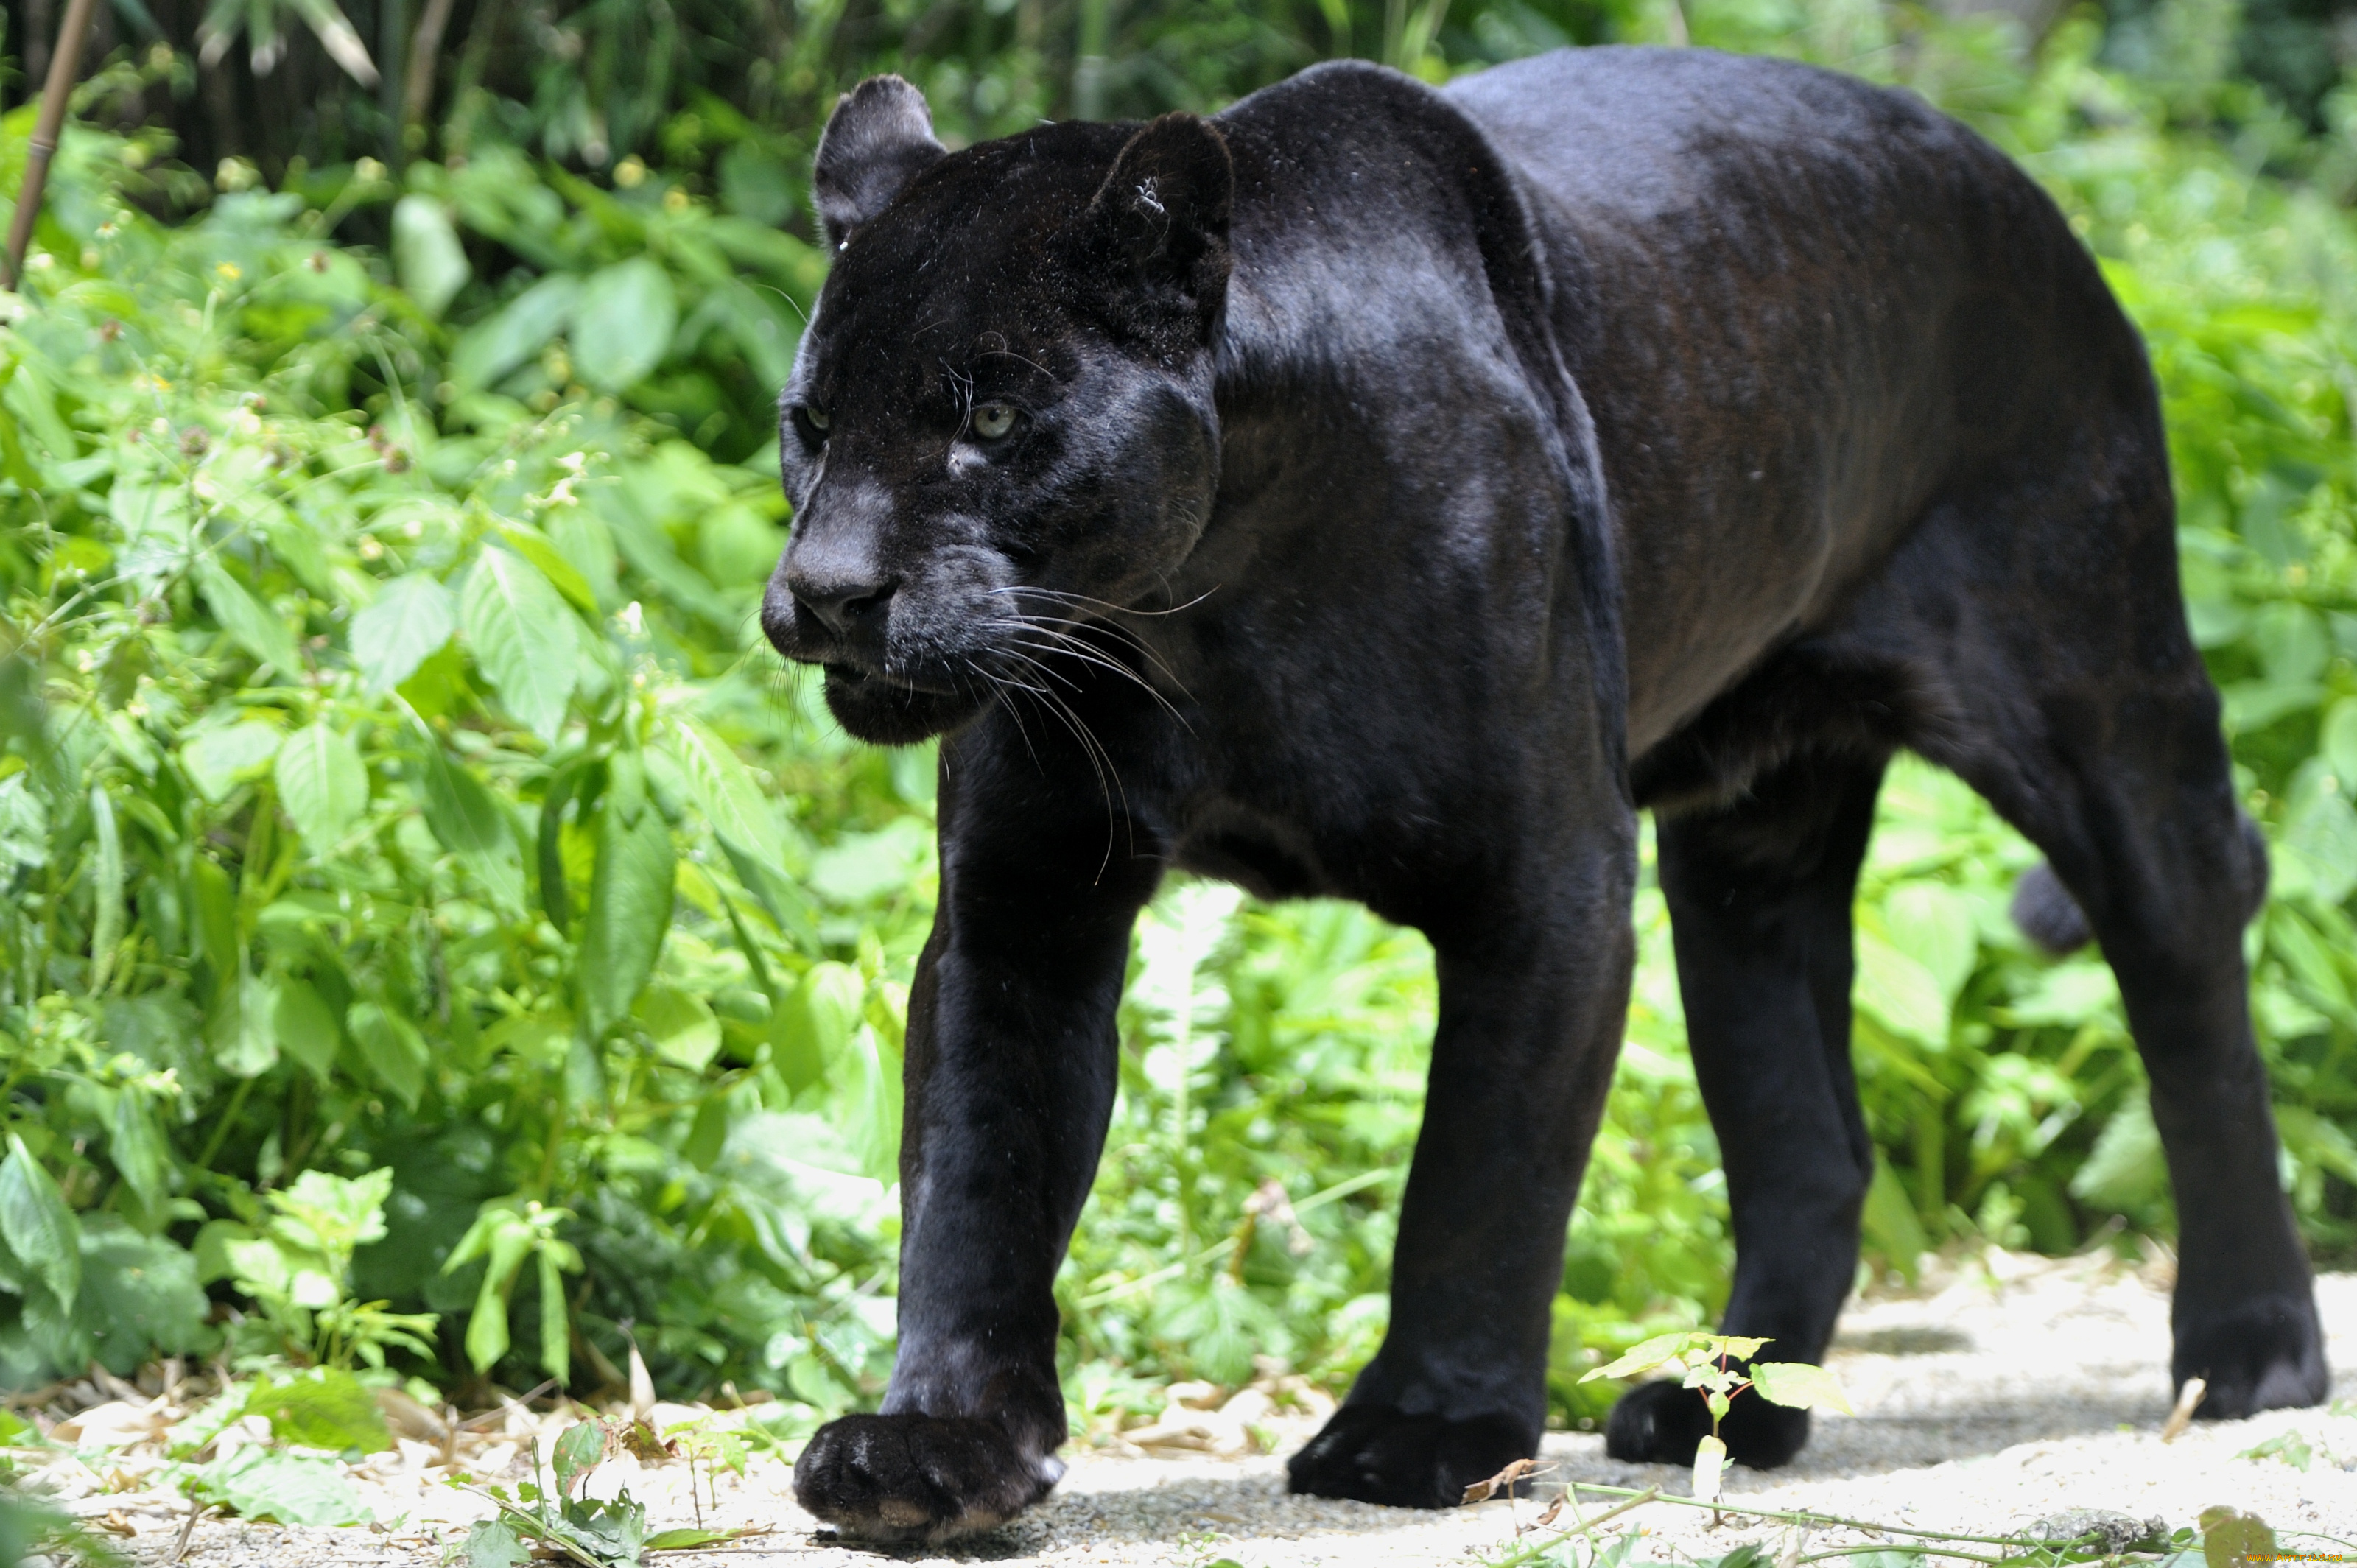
1799 1385
681 1026
323 785
2125 1173
2233 1540
254 625
726 793
494 1543
1900 993
426 255
578 1450
522 637
392 1048
242 1028
1934 925
305 1027
473 825
560 572
137 1146
2337 744
622 324
522 328
629 910
413 617
259 1484
322 1407
36 1223
221 758
139 1296
1643 1357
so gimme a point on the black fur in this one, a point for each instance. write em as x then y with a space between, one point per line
1385 493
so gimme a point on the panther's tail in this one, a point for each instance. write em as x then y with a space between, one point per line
2047 914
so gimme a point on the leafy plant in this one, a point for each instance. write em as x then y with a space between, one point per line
1703 1362
298 1268
593 1533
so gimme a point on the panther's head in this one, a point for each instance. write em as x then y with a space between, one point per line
1002 410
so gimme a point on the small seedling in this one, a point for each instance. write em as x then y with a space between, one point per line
586 1531
1703 1361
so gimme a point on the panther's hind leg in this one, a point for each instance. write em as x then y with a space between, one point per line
2080 708
1759 895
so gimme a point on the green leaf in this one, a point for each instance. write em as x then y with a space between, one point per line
1799 1385
522 637
1643 1357
555 1327
411 618
323 785
1900 993
246 618
472 824
680 1540
139 1296
426 255
495 1544
137 1147
241 1029
106 888
630 909
680 1024
726 793
392 1048
562 574
578 1451
222 757
2231 1540
323 1408
524 326
622 324
305 1027
259 1484
36 1223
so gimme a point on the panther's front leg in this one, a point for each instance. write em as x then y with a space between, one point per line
1009 1081
1533 986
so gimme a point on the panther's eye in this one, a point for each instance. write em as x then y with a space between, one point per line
993 419
814 419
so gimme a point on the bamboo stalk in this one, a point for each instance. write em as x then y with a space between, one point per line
64 66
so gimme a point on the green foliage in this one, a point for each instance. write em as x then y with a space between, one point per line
429 920
590 1532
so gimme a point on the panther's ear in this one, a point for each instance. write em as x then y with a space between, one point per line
1162 214
878 139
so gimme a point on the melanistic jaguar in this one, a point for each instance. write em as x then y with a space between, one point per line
1385 492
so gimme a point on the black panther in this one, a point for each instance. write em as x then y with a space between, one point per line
1383 492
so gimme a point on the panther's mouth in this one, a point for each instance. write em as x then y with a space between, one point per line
859 676
897 709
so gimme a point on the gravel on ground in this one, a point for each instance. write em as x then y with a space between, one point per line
2008 1389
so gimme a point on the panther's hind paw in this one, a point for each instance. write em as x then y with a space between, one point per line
896 1478
2267 1354
1377 1455
1660 1424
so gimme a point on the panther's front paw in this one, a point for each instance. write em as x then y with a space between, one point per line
2267 1354
1660 1424
918 1478
1377 1455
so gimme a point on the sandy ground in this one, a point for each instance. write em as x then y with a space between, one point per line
2020 1389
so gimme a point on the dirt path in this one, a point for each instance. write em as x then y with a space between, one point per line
2021 1389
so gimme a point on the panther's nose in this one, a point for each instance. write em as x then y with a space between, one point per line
841 601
